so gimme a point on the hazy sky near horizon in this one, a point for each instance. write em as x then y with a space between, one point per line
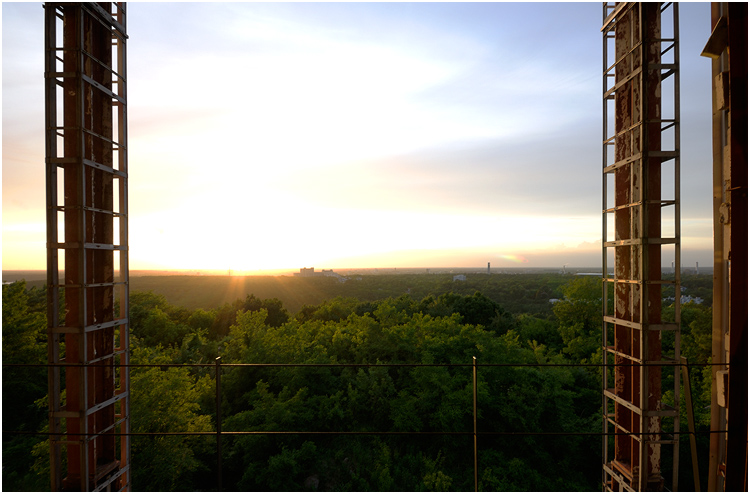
275 135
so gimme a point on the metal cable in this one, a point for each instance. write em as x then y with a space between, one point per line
374 365
356 433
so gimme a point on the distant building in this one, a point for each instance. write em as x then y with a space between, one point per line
308 272
459 277
330 274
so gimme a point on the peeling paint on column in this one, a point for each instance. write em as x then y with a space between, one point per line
637 222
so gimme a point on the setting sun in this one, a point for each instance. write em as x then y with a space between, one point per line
373 134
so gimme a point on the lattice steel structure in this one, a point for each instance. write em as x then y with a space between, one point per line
641 150
87 244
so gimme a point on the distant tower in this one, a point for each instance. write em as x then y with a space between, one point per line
696 267
488 268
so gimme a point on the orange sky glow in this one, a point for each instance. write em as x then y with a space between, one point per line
276 136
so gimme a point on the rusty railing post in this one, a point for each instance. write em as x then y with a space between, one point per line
476 464
218 424
691 421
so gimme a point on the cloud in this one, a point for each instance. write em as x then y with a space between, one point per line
409 120
482 177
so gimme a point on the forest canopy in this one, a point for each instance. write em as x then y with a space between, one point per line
397 364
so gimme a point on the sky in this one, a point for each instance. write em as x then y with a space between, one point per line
340 135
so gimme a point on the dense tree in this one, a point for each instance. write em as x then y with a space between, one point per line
166 400
402 398
226 315
24 342
401 363
579 315
695 345
142 303
534 330
201 319
331 310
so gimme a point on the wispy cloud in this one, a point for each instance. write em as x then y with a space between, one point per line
294 131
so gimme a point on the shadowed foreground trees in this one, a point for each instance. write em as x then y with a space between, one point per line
167 400
354 396
24 342
435 330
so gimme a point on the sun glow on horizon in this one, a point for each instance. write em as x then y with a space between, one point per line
514 258
343 135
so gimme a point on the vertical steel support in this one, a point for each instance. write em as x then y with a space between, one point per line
85 79
637 125
691 423
119 44
51 18
219 476
476 459
727 46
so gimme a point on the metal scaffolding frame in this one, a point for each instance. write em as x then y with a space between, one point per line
87 245
641 117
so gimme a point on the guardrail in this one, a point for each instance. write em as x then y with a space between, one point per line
219 434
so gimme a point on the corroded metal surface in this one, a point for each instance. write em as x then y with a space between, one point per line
727 46
633 82
87 158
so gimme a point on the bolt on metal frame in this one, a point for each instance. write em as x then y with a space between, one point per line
87 245
641 108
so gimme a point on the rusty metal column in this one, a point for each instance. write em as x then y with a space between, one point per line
219 472
120 163
649 230
727 46
474 393
737 394
51 20
632 160
80 39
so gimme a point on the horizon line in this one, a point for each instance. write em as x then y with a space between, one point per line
235 272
